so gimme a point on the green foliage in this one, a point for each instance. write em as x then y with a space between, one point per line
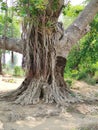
12 25
83 59
15 71
18 71
31 7
15 27
72 11
3 6
8 21
55 5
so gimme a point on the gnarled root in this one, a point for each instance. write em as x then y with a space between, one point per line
34 91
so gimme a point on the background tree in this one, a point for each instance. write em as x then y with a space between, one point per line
9 27
45 46
0 63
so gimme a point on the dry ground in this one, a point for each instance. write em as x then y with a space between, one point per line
78 116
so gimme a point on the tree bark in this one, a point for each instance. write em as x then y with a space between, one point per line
3 58
11 44
45 50
0 65
72 34
44 80
12 58
78 29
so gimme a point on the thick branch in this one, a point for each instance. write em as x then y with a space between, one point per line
78 29
11 44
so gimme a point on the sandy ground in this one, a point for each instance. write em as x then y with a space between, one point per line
78 116
9 83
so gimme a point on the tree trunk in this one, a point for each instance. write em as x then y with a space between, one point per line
45 46
44 81
0 65
12 58
4 59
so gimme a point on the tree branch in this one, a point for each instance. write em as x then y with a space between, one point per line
11 44
78 29
72 34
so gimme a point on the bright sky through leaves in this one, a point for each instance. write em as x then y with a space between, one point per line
76 2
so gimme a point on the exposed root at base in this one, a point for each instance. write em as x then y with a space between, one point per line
34 91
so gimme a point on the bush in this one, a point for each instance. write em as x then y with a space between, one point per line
81 76
74 73
18 71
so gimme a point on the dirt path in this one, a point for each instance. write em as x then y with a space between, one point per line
49 117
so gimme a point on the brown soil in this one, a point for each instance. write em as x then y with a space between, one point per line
76 116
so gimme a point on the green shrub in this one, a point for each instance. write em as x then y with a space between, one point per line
74 73
18 71
95 66
96 76
81 76
67 74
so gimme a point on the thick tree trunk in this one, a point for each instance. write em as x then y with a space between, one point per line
44 81
45 49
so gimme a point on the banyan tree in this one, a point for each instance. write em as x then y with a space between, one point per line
45 46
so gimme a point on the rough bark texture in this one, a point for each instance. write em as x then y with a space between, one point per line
78 29
44 81
11 44
44 78
45 49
